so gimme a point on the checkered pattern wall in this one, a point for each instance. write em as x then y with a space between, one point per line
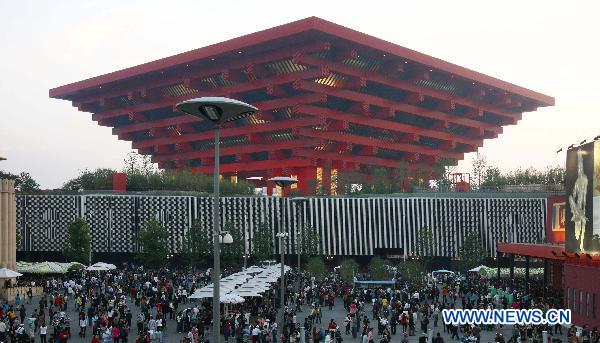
347 226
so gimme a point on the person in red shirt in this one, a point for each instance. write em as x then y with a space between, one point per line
332 325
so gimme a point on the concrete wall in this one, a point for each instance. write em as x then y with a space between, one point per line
8 225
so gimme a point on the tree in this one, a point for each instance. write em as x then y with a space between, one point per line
262 243
196 247
310 241
232 254
425 243
412 271
379 269
471 252
153 245
479 168
348 269
316 266
442 168
78 244
23 182
100 178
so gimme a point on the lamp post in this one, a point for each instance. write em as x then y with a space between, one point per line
282 181
218 111
281 236
299 201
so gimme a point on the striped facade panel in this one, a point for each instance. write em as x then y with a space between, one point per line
346 226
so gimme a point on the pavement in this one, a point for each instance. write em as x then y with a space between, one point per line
338 313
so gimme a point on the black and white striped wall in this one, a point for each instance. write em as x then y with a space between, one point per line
347 226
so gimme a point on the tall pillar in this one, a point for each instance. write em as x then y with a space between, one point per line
326 179
545 278
12 228
306 180
498 265
527 275
512 272
4 210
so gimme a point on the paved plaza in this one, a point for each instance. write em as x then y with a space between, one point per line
338 313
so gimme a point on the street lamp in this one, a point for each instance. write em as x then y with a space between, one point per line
218 111
299 201
281 236
282 181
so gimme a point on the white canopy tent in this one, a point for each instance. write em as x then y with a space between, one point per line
6 273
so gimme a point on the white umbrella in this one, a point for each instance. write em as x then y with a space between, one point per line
204 293
97 268
248 293
6 273
108 266
231 299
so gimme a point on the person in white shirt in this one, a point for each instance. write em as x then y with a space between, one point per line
82 326
43 330
2 331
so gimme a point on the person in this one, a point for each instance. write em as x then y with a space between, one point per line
404 338
424 323
438 338
2 331
43 332
82 325
347 323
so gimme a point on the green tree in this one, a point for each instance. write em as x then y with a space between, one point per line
348 269
316 266
78 244
232 254
471 252
23 182
262 243
412 271
480 166
310 242
153 245
196 247
379 269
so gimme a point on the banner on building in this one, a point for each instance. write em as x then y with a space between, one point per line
582 185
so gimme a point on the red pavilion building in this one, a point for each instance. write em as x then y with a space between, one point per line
330 99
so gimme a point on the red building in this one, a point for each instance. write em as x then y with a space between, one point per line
577 275
330 99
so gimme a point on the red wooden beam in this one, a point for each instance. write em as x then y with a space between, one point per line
232 131
374 100
374 142
237 88
185 119
385 124
233 150
364 160
178 77
397 83
256 165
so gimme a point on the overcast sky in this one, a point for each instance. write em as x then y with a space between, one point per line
552 47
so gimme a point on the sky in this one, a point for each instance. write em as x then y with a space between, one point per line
551 47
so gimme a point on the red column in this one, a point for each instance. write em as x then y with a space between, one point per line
119 182
326 179
306 180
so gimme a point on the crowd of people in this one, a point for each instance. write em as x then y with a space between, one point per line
135 305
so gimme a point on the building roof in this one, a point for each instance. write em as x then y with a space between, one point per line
279 34
329 97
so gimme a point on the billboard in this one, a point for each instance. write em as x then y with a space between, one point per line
582 185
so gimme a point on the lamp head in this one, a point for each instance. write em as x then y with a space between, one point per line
283 181
218 110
